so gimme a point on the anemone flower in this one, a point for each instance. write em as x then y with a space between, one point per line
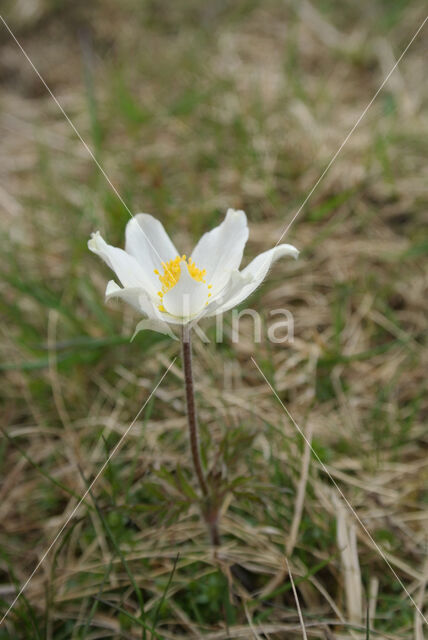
170 288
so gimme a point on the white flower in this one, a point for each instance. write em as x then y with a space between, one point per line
169 288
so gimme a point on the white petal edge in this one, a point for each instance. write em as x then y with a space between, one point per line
256 272
127 269
220 250
149 324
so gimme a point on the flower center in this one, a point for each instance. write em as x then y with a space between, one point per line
171 275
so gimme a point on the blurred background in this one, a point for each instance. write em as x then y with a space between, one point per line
190 108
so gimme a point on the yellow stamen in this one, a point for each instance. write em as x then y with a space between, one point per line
171 275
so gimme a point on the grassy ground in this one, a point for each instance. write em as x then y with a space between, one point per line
191 108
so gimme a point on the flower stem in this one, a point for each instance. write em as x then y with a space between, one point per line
214 532
192 420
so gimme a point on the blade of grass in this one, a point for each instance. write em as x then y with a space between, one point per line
162 600
94 607
38 468
137 621
116 547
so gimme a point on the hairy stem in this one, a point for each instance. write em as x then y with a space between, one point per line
191 409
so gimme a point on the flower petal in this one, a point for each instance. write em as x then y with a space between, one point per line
237 281
149 243
220 251
256 272
154 325
127 269
135 296
138 298
187 298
